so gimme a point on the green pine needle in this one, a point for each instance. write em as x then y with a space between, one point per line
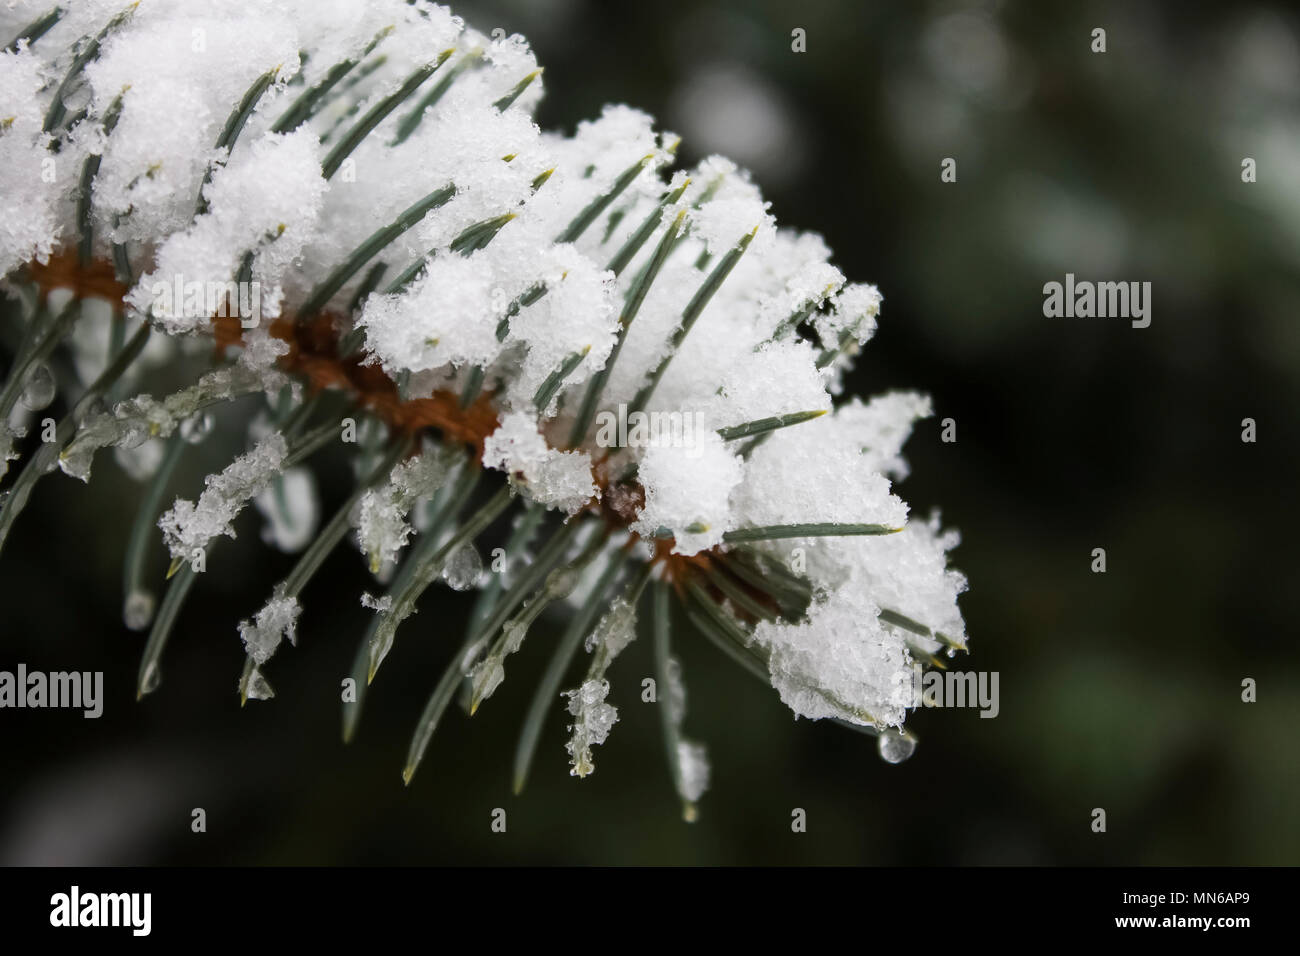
478 235
635 296
426 573
724 631
230 132
89 51
916 627
36 29
377 114
413 119
546 391
371 247
548 688
506 101
150 673
330 536
89 170
762 425
737 595
639 238
527 581
303 108
826 529
559 583
598 205
661 627
690 315
40 347
46 457
447 503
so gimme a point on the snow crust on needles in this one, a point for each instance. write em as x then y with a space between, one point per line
741 361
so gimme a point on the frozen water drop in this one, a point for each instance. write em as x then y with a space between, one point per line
513 635
386 571
150 679
38 390
139 461
463 568
487 678
138 610
46 463
291 508
197 427
257 687
134 436
895 748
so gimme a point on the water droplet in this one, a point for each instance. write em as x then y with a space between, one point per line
197 427
139 461
138 610
38 390
952 652
895 747
560 583
462 570
387 569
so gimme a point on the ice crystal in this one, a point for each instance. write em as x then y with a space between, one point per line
593 716
189 526
277 620
382 527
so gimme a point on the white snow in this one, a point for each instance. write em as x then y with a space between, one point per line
189 526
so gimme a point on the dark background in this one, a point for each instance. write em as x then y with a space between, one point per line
1118 690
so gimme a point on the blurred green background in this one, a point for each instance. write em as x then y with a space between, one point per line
1119 691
